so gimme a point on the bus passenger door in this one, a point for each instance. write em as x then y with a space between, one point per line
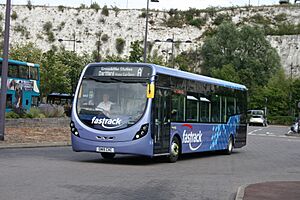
162 121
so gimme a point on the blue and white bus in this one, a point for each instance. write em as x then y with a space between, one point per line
156 111
23 85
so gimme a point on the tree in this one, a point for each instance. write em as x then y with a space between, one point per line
26 52
136 52
246 51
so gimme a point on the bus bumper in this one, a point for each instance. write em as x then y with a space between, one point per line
142 146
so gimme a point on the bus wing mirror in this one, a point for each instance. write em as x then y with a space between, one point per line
150 90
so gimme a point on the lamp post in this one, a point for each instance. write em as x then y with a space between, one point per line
146 31
4 70
72 40
171 40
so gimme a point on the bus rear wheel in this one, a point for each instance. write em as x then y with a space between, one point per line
108 155
174 150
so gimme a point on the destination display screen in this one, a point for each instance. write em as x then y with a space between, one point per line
119 71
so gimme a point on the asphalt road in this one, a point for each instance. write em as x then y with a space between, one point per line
59 173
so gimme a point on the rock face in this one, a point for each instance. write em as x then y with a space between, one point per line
44 26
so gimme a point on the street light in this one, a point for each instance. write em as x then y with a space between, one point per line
4 70
72 40
146 31
171 40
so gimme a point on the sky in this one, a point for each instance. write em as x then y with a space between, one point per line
163 4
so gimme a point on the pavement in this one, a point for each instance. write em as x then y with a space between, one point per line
276 190
4 145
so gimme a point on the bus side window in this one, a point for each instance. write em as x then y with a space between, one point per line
23 71
192 108
204 109
177 107
13 71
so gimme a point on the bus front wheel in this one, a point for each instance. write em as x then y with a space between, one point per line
108 155
174 150
229 149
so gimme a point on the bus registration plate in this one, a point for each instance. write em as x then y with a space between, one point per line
105 149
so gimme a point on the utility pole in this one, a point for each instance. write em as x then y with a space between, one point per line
146 31
4 70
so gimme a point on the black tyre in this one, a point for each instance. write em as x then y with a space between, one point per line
229 149
174 150
108 155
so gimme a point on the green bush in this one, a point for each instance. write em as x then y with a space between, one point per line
12 115
280 17
120 44
47 26
34 113
143 15
104 38
105 11
281 120
95 6
29 5
197 22
221 18
79 21
116 9
14 15
61 8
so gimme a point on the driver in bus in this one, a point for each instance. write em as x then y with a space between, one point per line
105 105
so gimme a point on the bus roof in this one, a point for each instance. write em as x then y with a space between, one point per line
197 77
16 62
183 74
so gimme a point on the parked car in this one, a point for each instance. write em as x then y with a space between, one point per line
258 120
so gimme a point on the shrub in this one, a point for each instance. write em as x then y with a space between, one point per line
22 30
120 44
79 21
29 5
14 15
221 18
61 8
12 115
47 26
82 6
280 17
1 16
197 22
281 120
52 110
34 113
105 11
61 26
104 38
102 20
118 24
95 6
116 9
143 14
260 19
51 37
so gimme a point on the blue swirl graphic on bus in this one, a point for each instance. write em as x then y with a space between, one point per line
221 133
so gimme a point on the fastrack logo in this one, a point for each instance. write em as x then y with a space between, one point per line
107 123
192 138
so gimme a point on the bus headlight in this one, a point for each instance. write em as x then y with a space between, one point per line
142 132
74 129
